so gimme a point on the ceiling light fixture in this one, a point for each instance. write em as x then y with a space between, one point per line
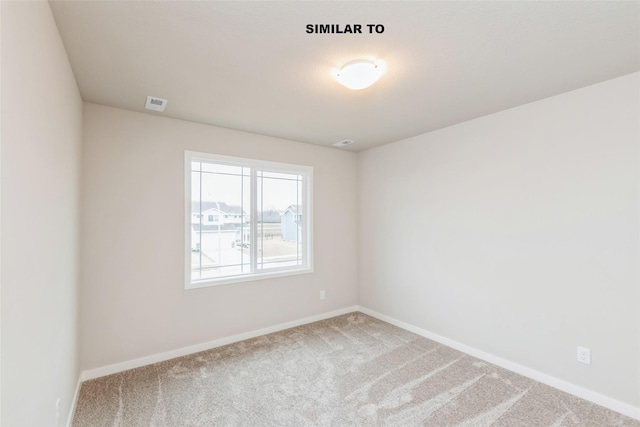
359 74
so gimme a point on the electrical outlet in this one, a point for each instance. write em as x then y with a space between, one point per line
57 411
584 355
323 294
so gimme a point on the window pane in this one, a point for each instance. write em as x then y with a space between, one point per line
221 169
277 175
220 221
280 218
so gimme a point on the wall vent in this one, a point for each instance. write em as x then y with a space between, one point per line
155 104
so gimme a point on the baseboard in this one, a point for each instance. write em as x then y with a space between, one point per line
597 398
74 402
161 357
591 396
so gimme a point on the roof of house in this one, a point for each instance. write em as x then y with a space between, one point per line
223 207
293 208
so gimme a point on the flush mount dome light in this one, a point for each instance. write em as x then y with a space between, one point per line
359 74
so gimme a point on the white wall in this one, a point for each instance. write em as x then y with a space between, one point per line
41 131
517 234
133 302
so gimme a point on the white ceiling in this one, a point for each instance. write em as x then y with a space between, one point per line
251 65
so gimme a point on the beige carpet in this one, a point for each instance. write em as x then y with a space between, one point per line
351 370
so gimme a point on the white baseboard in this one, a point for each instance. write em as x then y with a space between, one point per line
161 357
597 398
591 396
74 402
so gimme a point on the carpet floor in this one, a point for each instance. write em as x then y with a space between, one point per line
350 370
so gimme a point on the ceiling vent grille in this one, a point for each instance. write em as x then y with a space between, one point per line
343 143
155 104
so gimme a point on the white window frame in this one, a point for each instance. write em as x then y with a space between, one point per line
265 166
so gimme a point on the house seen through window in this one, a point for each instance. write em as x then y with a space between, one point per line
246 219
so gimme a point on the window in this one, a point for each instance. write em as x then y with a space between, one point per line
258 230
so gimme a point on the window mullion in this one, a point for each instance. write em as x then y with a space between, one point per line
253 187
305 218
200 221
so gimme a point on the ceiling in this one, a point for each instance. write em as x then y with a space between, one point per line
251 65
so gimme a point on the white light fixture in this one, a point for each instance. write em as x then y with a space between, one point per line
359 74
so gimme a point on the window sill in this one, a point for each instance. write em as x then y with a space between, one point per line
206 283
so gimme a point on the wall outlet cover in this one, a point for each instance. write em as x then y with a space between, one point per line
584 355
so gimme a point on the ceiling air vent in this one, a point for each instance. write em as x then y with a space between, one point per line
343 143
155 104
